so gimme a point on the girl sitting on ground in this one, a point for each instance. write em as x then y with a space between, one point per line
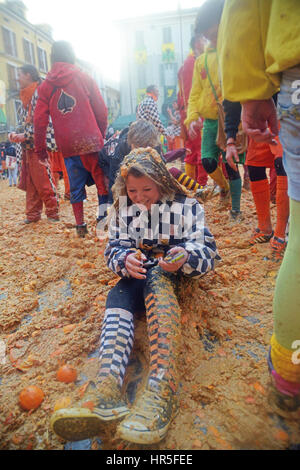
156 236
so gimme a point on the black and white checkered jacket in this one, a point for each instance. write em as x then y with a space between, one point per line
179 222
148 111
27 123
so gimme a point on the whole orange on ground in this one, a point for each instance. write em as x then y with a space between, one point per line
66 374
31 397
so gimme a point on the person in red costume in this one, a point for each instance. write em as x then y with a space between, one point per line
79 115
37 181
193 165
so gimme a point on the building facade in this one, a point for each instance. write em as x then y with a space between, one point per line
20 43
154 48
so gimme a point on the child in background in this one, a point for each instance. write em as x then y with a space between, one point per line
205 95
11 165
144 134
156 236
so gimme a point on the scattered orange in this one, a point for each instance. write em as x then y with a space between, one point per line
31 397
66 374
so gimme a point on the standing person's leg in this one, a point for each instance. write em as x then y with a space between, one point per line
273 184
210 157
10 177
235 184
15 175
284 359
34 203
78 177
191 170
278 243
261 194
103 400
153 410
42 180
91 163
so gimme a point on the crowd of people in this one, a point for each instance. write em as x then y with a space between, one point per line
244 62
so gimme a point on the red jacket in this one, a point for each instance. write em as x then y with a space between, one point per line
77 110
185 78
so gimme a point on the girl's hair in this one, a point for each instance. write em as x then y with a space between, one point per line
146 162
142 134
33 72
62 51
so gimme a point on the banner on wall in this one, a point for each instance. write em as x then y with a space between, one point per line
2 103
168 52
169 97
141 56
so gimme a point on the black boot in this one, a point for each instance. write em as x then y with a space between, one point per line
81 230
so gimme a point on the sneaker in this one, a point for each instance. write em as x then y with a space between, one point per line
53 219
150 417
236 216
27 222
101 403
278 246
260 237
81 230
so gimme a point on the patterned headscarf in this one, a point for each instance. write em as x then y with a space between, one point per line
150 163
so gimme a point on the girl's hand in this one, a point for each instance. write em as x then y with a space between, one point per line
173 267
134 266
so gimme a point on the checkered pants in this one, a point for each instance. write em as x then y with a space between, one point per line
163 324
116 343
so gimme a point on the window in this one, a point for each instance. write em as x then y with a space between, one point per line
141 73
42 57
18 107
139 40
10 42
13 75
29 52
167 35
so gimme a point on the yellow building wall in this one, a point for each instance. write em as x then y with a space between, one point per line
22 29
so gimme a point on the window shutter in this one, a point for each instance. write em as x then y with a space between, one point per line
6 41
32 53
14 43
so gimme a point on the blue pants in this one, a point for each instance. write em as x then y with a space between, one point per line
84 170
12 175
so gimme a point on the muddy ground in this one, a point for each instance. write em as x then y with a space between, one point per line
53 288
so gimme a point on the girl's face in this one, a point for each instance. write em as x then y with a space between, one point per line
142 191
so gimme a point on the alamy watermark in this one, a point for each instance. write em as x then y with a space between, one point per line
296 93
2 353
296 354
162 222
